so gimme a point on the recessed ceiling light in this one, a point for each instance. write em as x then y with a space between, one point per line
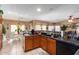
39 9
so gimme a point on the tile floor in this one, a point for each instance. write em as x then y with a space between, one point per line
16 48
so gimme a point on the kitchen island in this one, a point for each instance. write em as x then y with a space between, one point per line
51 45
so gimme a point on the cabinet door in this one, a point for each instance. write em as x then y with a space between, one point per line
1 35
44 43
28 43
0 41
36 42
51 47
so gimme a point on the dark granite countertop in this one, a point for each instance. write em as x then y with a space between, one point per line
74 42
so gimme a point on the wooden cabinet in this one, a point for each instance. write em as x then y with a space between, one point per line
51 48
0 41
1 19
36 41
48 45
31 42
44 43
28 43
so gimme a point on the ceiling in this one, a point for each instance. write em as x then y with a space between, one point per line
49 12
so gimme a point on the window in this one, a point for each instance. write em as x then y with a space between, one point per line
44 27
57 28
30 27
38 27
13 28
50 28
22 27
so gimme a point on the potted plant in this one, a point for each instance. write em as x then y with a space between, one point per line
4 32
1 12
18 29
63 28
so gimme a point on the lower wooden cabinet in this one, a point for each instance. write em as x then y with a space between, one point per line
51 48
36 42
0 41
44 43
28 43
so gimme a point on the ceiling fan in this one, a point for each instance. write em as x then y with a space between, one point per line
71 19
